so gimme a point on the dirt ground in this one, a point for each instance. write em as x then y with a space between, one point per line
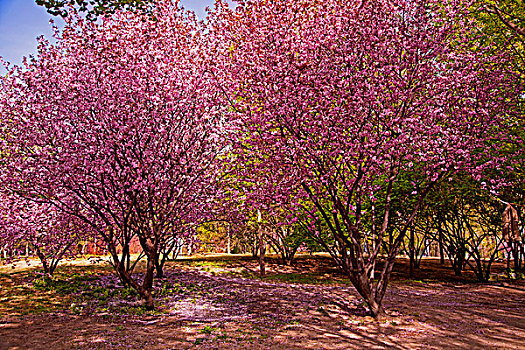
217 304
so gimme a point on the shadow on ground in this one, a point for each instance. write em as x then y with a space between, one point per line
205 306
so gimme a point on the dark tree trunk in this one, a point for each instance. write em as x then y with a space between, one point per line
262 246
411 253
48 271
441 249
262 252
144 290
159 267
522 252
376 309
228 247
373 300
516 255
161 261
147 284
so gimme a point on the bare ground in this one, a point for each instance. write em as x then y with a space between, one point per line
208 305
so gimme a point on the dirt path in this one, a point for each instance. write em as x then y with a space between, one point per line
218 311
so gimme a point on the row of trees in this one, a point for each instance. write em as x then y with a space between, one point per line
458 221
455 223
331 118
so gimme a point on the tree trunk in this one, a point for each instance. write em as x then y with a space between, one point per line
159 267
373 267
411 252
364 288
262 247
262 252
516 255
507 251
457 266
147 284
373 241
522 252
229 240
376 310
441 249
44 261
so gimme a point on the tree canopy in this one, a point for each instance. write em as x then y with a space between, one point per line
93 8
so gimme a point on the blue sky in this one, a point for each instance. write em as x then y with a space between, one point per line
22 21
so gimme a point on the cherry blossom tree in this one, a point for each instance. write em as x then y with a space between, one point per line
51 234
120 124
339 101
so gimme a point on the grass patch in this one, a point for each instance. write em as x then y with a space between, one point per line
60 286
24 300
207 263
298 278
207 330
27 291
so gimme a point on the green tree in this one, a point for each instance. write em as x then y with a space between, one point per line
502 26
93 8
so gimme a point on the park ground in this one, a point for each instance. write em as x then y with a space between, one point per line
219 302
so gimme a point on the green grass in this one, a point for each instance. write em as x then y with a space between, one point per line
298 278
78 289
207 263
207 330
24 299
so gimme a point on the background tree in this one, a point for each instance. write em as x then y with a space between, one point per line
49 234
285 238
503 24
466 221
